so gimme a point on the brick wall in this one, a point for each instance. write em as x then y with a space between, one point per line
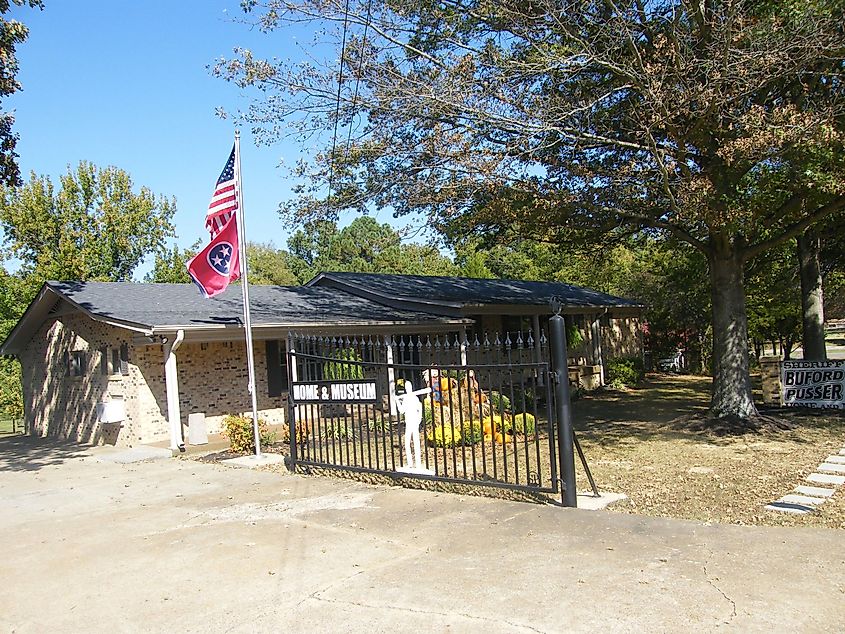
62 406
212 379
770 374
622 338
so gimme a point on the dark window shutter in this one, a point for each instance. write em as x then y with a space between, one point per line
274 368
104 360
66 362
124 359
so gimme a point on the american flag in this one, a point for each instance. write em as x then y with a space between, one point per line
224 202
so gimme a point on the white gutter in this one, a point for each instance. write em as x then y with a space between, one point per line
171 380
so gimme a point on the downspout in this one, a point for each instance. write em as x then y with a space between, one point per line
171 379
599 349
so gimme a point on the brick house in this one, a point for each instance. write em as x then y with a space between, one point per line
125 363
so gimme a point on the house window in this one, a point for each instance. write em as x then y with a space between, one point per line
76 362
110 361
514 326
114 361
277 368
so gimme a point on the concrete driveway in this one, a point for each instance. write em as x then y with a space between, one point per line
179 546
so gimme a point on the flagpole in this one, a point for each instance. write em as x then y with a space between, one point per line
250 360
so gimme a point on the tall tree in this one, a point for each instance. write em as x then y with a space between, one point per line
95 227
171 266
719 123
364 246
812 296
267 265
12 33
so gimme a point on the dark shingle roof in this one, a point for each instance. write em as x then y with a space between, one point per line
464 291
182 305
168 307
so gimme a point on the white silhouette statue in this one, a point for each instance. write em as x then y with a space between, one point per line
410 406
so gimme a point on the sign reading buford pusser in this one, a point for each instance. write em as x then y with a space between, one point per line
817 384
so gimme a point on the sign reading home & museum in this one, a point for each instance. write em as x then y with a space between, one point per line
358 391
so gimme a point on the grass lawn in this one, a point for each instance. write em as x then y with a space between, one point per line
8 427
636 443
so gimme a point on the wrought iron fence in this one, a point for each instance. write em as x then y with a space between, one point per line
444 407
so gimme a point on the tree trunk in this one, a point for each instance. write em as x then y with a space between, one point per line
731 394
812 305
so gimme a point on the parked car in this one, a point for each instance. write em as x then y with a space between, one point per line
671 364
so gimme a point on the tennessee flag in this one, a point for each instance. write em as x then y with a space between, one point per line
218 263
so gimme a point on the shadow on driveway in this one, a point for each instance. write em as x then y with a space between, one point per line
29 453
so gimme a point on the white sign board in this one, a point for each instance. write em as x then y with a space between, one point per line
355 391
818 384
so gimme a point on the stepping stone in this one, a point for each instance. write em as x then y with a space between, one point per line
832 468
842 452
804 500
819 492
835 459
825 478
786 507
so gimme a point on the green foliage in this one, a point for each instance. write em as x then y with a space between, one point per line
239 431
345 367
365 246
95 227
379 424
625 371
574 336
471 432
522 424
171 266
270 266
339 430
12 33
428 412
499 402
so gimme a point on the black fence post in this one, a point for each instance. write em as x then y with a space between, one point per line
566 454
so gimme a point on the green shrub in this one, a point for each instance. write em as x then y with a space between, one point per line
428 412
523 396
339 430
625 371
521 424
238 429
379 424
341 371
471 432
499 402
574 336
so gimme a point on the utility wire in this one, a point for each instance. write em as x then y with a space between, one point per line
358 75
337 99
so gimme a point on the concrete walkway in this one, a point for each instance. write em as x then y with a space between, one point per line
176 545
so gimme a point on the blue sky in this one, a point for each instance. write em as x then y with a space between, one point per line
127 84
